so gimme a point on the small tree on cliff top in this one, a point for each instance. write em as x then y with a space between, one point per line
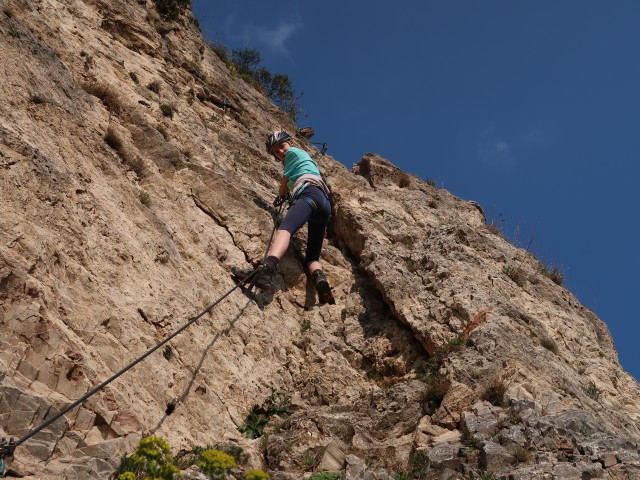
171 9
245 62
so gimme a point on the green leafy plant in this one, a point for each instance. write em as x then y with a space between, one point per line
435 361
195 69
408 242
222 51
145 199
167 110
324 475
13 30
306 325
171 9
436 390
245 63
564 457
488 476
279 427
516 274
151 461
592 391
411 264
253 426
401 476
151 457
256 475
185 459
154 86
554 273
127 469
168 352
216 464
494 391
587 432
521 454
309 461
126 476
279 402
473 442
278 87
418 466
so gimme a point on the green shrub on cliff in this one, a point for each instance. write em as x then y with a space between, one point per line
216 464
152 461
171 9
151 457
245 63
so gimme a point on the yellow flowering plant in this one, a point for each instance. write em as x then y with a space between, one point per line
216 464
152 456
256 475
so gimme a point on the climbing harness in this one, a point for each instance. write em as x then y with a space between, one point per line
280 200
324 147
7 448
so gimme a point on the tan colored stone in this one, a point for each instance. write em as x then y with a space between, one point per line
451 436
609 460
333 458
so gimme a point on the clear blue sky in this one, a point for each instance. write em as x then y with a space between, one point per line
529 108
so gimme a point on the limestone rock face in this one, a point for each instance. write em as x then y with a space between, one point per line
133 177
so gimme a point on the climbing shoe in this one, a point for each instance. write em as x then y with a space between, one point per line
262 278
322 287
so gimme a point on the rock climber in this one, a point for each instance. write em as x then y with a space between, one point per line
301 179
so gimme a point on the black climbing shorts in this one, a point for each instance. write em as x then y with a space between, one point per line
313 207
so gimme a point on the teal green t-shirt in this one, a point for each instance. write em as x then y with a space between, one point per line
298 162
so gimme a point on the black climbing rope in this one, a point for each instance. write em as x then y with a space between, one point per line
7 447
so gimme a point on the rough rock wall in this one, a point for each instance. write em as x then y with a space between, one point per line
133 177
